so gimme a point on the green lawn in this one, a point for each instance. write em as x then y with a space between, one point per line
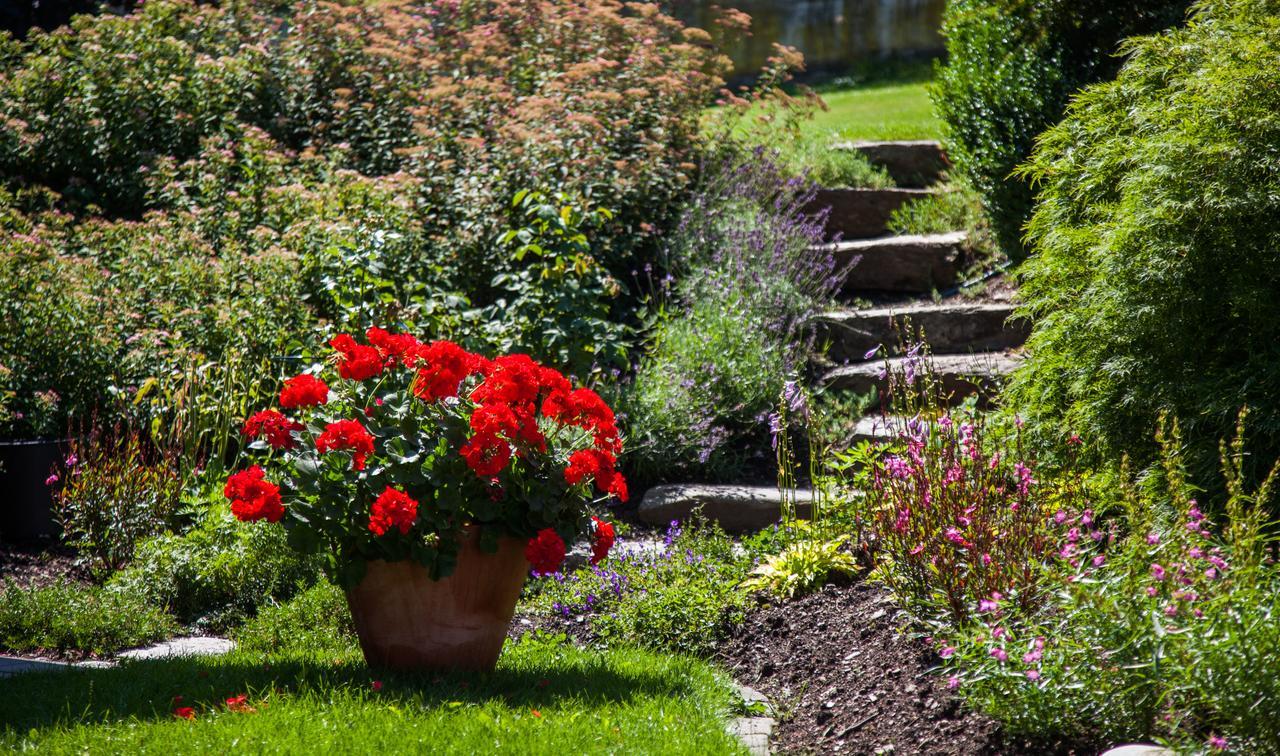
885 111
546 696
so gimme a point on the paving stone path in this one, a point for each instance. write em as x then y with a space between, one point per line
194 646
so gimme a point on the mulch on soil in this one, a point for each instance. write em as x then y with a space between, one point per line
843 678
39 565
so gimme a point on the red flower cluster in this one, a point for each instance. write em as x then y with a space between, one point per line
442 365
357 362
252 497
303 391
349 435
599 465
275 427
603 541
393 509
546 551
393 346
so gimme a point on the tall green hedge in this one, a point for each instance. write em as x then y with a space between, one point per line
1011 67
1155 279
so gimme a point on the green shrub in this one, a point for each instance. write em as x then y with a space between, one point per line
75 618
1153 287
114 490
314 621
219 572
1011 67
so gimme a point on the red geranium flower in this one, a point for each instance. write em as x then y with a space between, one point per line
600 466
184 712
441 367
393 509
486 454
272 425
349 435
546 551
603 541
358 362
303 391
252 497
240 704
392 346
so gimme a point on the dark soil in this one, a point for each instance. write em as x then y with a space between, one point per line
842 678
39 566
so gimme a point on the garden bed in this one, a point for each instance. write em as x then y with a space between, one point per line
843 677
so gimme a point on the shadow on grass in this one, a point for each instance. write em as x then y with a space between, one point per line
149 689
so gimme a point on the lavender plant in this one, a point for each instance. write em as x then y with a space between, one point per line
733 328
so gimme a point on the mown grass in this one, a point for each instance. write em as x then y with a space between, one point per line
546 696
876 111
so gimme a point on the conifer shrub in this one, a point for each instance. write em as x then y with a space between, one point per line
1153 282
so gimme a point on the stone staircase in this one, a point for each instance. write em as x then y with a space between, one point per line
973 342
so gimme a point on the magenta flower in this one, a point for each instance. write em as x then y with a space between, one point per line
947 652
1153 539
999 655
1218 743
1157 571
1033 674
51 479
953 682
1099 560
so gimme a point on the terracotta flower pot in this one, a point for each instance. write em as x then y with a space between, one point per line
406 620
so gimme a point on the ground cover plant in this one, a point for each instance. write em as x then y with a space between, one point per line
1011 68
78 619
1136 311
545 695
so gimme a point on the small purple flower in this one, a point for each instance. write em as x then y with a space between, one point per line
1033 674
1153 539
999 655
1157 571
953 682
49 481
872 352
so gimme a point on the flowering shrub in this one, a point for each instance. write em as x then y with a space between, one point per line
957 518
1165 629
416 443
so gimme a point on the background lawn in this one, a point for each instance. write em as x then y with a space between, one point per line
877 111
545 697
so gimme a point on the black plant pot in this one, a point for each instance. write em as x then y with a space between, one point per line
26 506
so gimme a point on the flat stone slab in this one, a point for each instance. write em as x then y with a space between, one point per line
911 264
960 375
1139 749
181 647
861 213
16 665
736 508
909 163
878 429
754 732
949 328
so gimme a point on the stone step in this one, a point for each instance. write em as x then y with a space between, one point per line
949 328
737 508
861 213
916 264
910 163
961 375
877 429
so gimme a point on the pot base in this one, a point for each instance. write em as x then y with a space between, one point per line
407 621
